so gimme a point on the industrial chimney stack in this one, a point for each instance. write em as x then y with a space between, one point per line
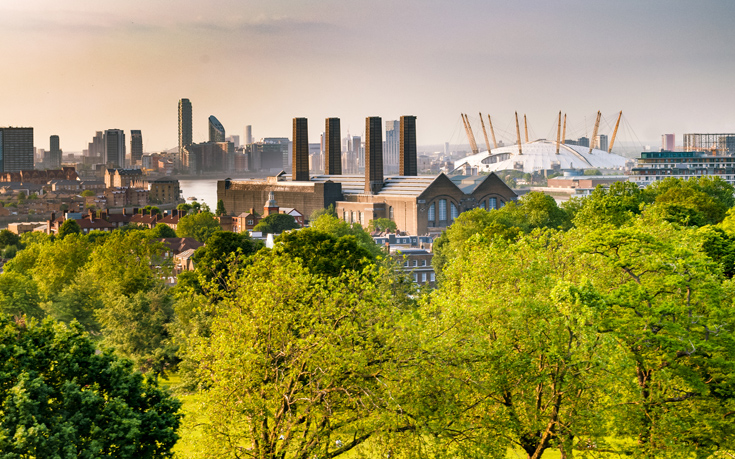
332 147
408 161
373 155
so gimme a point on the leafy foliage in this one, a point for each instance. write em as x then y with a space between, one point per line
382 224
276 224
70 226
200 226
61 399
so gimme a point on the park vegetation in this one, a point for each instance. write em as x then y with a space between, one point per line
604 327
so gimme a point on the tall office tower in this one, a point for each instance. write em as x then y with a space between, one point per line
96 148
216 130
668 142
392 146
446 148
16 149
373 154
53 156
185 126
235 140
136 146
114 142
583 142
602 142
248 134
332 154
409 165
300 171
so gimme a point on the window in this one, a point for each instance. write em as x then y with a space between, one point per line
482 205
433 277
360 217
432 212
352 217
453 210
405 263
493 203
423 262
415 263
442 210
415 277
390 212
423 277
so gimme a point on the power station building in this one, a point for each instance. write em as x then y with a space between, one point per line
418 204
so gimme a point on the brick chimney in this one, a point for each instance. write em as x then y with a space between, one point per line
300 166
332 147
408 161
373 155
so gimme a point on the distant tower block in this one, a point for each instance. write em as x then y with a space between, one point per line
408 163
248 134
136 146
216 130
300 150
185 137
373 154
332 150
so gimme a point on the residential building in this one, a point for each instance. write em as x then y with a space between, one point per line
417 264
216 130
185 126
668 142
52 158
165 190
657 165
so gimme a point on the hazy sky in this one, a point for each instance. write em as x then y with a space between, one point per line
73 67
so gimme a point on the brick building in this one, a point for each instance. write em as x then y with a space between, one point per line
165 190
418 204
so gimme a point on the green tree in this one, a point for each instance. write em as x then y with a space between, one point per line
323 253
70 226
616 205
136 326
516 364
220 208
319 212
338 228
276 224
672 314
298 365
151 210
200 226
88 193
184 206
161 230
19 296
7 238
61 398
382 224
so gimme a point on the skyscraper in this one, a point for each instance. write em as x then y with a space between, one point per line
668 142
114 144
602 142
409 165
300 150
332 154
216 130
185 136
373 154
136 146
248 134
53 156
392 146
16 149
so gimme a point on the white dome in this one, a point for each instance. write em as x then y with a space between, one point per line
541 155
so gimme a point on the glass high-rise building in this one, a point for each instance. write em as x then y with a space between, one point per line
216 130
185 126
392 149
114 144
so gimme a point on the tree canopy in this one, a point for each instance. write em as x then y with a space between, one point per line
200 226
276 224
60 398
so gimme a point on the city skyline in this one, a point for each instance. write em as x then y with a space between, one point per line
78 67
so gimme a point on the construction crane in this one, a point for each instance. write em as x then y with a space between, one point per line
615 132
593 140
518 133
484 131
558 133
492 131
525 125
